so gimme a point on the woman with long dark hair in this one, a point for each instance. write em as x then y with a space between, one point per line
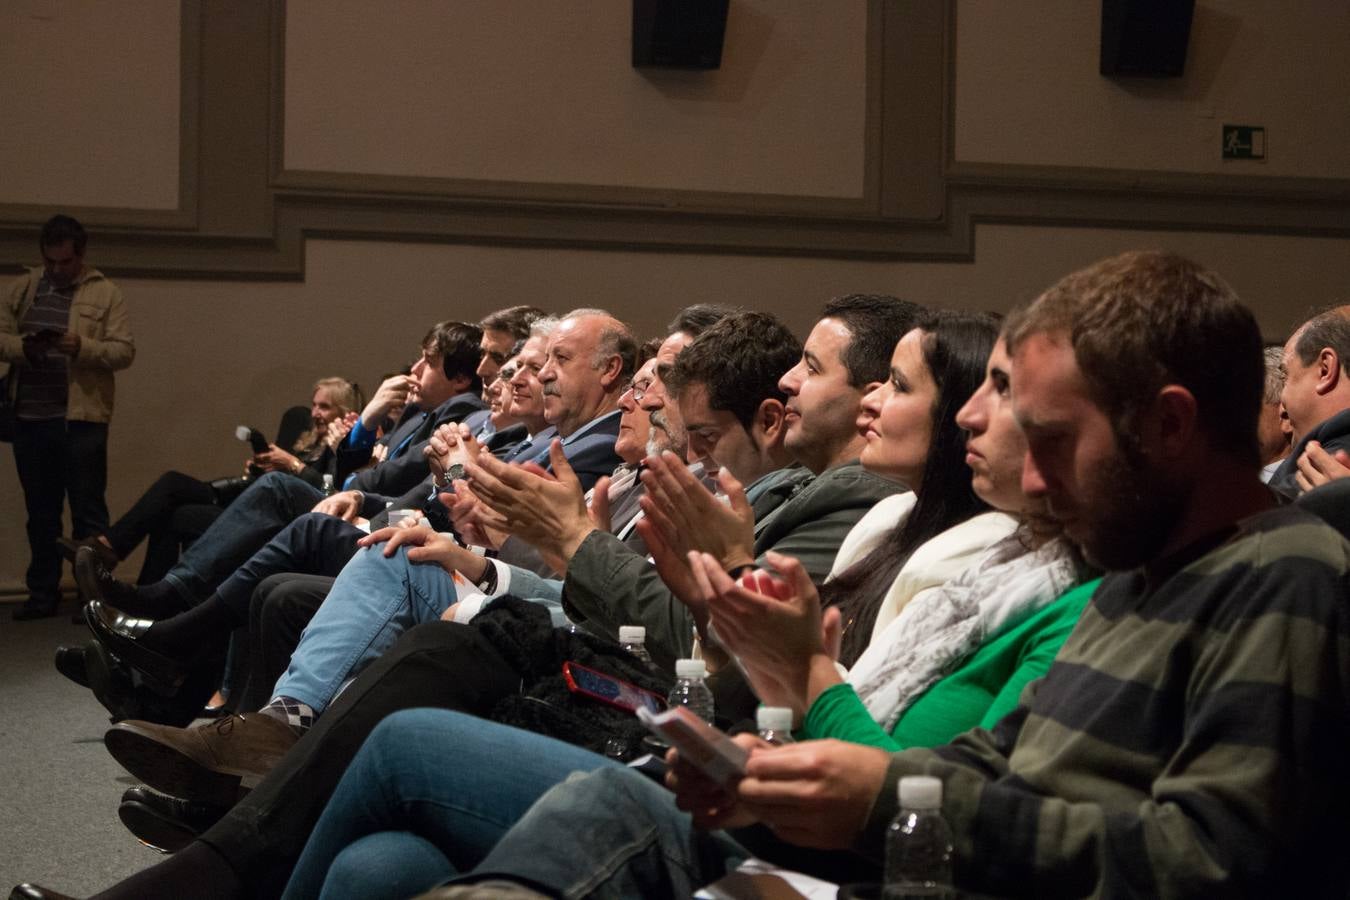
913 437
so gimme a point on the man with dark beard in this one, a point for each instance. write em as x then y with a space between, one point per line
1187 741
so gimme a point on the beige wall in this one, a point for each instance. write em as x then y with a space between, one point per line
1029 92
419 90
89 102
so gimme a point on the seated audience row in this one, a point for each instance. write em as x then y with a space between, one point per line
893 530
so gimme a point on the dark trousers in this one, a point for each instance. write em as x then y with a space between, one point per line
312 544
173 512
58 459
246 525
439 664
165 544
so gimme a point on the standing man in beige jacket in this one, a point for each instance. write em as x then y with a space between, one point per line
63 332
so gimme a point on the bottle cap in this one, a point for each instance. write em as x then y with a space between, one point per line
632 634
773 718
690 668
920 792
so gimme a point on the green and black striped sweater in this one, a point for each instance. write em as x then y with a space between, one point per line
1192 739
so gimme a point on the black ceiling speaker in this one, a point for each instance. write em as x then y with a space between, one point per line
1145 37
679 34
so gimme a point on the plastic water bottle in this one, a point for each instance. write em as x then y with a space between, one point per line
919 843
633 639
328 484
690 689
774 724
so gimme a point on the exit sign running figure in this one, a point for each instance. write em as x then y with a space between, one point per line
1244 142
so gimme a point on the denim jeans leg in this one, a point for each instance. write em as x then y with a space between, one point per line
267 506
374 600
452 779
611 833
386 865
313 544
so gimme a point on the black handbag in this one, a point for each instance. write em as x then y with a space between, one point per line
8 418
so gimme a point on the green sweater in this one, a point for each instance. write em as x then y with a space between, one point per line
1189 741
976 695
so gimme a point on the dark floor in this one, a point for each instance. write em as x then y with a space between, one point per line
60 788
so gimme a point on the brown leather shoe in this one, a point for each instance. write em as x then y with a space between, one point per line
204 763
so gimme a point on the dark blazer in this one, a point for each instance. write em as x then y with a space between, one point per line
608 584
1333 434
405 467
589 449
423 497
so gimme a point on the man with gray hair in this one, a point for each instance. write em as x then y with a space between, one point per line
1316 398
1272 428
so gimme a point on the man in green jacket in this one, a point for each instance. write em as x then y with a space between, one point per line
63 332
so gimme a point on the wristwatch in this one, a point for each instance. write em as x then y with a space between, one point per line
455 472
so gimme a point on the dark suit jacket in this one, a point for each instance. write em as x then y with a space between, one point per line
423 497
589 449
401 472
1333 434
608 584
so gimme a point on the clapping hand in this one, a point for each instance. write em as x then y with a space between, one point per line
692 518
338 429
1316 466
546 510
774 626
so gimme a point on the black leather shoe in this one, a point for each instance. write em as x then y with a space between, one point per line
121 634
35 608
70 663
165 823
97 583
126 695
28 891
106 555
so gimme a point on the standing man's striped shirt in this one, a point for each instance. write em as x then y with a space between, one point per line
1191 739
44 385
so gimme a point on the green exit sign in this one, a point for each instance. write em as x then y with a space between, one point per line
1244 142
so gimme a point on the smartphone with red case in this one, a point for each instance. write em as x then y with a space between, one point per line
607 689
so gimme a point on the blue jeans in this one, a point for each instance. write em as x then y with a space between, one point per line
263 509
374 600
430 792
610 833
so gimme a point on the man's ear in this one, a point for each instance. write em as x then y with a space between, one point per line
1328 371
769 419
610 374
1173 424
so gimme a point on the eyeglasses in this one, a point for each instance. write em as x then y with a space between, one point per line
638 390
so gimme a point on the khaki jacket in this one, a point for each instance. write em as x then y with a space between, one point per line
99 317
